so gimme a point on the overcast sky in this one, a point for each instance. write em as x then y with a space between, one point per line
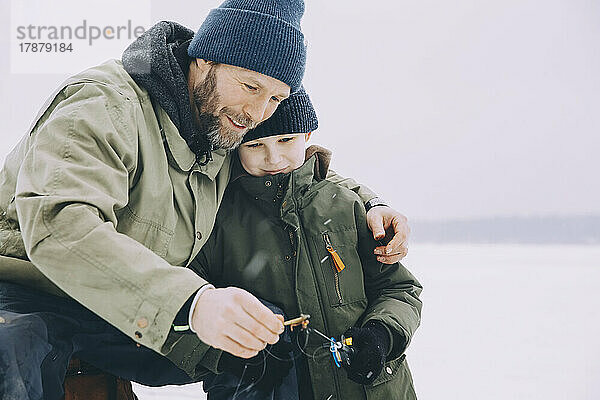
447 109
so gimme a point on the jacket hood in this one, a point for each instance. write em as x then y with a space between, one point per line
158 62
322 160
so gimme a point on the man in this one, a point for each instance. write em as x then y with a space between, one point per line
118 182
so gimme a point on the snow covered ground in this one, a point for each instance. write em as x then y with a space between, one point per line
499 322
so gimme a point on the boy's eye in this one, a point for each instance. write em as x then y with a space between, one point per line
253 145
287 139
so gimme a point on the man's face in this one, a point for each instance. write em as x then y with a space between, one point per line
230 100
274 154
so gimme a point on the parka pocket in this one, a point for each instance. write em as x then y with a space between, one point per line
394 383
341 267
147 232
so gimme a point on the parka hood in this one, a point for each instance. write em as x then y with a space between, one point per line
158 62
322 160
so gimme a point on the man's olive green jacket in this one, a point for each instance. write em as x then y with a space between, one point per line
271 238
107 201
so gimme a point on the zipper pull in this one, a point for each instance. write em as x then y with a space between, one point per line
337 261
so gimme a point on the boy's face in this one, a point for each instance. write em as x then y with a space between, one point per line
274 154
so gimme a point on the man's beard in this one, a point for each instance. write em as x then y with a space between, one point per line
206 99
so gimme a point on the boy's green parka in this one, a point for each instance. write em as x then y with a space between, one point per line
270 238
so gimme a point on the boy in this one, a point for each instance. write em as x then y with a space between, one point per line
301 245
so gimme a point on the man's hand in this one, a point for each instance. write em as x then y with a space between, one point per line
387 223
233 320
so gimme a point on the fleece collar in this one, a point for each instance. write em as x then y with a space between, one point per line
158 62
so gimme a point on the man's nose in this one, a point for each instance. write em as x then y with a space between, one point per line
256 109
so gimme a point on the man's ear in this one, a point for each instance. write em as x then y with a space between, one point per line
202 66
307 136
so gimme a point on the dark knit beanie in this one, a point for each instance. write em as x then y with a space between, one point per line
259 35
294 115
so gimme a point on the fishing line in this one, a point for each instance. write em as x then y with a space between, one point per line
252 384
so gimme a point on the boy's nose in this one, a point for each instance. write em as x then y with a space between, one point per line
273 156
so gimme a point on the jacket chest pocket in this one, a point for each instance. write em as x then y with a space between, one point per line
152 234
340 267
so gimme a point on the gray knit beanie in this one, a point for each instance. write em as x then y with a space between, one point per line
294 115
259 35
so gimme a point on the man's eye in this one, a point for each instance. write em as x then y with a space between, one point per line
250 87
276 99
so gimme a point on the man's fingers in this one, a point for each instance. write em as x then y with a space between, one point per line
244 337
389 251
378 231
257 319
400 228
375 223
262 314
392 258
256 329
378 234
231 346
396 245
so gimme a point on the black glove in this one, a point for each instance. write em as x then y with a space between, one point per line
266 370
371 344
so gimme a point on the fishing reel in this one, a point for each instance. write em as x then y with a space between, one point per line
341 351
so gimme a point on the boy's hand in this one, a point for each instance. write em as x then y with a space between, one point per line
233 320
371 344
390 226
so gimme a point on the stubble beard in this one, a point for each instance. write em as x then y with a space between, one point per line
207 102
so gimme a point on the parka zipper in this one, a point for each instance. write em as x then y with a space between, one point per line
302 237
292 241
336 264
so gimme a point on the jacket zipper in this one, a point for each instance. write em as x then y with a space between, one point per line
336 264
292 242
301 236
